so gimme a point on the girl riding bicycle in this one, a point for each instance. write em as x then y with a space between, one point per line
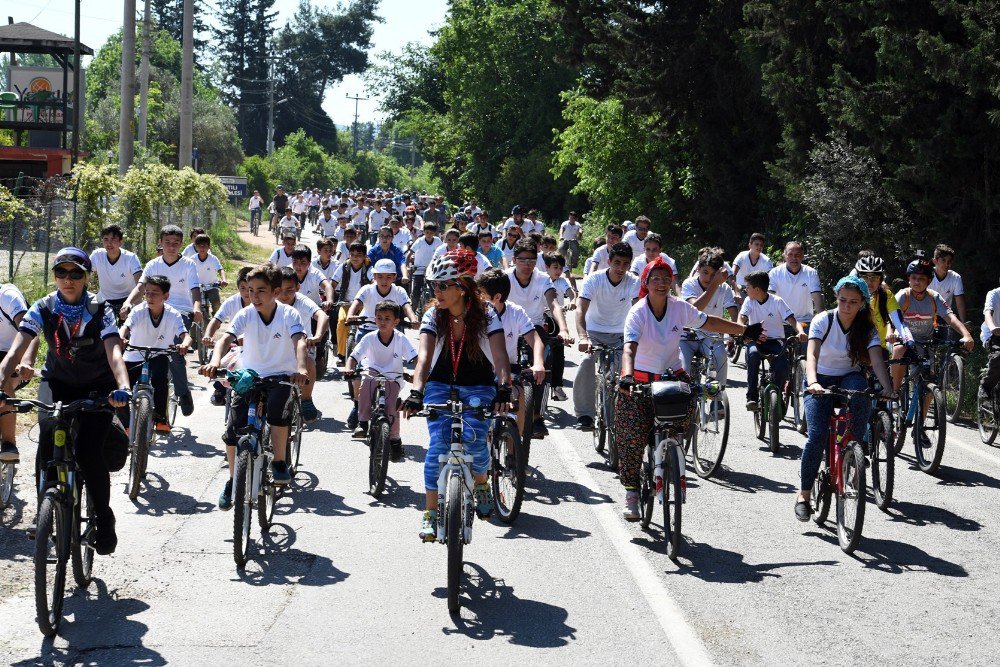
461 347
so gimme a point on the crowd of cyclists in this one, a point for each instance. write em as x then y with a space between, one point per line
489 302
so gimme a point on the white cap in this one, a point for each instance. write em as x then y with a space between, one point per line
384 266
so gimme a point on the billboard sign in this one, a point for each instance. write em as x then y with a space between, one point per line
237 185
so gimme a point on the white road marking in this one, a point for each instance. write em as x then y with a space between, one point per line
687 645
976 451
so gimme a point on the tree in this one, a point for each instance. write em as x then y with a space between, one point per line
169 16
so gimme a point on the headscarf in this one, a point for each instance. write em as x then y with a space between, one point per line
858 284
658 263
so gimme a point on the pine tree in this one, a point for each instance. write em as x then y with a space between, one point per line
169 15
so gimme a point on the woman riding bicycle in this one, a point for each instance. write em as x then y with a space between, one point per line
653 330
461 347
841 341
84 357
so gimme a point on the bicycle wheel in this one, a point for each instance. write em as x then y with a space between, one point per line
455 540
378 456
508 471
322 359
800 372
174 402
986 418
821 492
7 471
51 554
647 490
672 499
899 426
882 460
141 435
293 452
760 414
242 508
203 352
734 351
609 421
600 426
953 385
81 550
934 427
528 396
851 498
773 420
709 440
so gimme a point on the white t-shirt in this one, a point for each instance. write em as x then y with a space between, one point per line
773 314
402 239
483 264
189 250
423 252
183 277
507 250
306 308
516 323
116 281
279 258
12 303
640 262
268 349
694 269
144 333
992 305
529 227
332 270
796 289
531 297
746 266
208 270
255 203
353 279
386 358
369 297
359 215
721 300
609 304
228 309
309 287
834 356
562 288
600 258
442 249
569 231
330 227
633 240
948 288
299 205
659 340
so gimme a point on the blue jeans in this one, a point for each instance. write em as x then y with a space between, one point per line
178 372
818 411
779 365
439 430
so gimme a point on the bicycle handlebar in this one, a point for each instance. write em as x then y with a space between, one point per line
23 405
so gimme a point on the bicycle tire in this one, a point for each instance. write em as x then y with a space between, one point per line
614 456
798 395
883 463
456 541
508 485
986 418
242 509
7 472
378 456
706 457
51 537
851 498
174 403
528 396
322 360
293 451
349 346
672 500
821 493
81 551
929 461
953 385
647 490
267 493
734 353
600 428
760 414
203 351
142 427
899 417
774 420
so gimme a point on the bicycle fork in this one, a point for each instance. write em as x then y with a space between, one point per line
659 454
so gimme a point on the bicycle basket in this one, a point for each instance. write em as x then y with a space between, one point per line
671 400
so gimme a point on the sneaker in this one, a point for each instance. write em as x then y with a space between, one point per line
925 442
187 404
558 394
340 360
161 426
279 473
352 419
218 397
396 453
309 411
9 453
803 510
540 431
428 528
361 431
484 501
105 540
752 406
226 497
585 423
631 512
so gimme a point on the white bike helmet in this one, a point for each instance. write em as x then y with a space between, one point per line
870 264
452 265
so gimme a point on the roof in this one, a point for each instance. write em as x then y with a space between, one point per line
27 38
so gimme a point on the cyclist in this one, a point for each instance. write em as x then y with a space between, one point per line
384 351
451 237
491 252
511 237
637 237
885 308
773 313
613 235
313 319
434 213
325 262
382 289
328 224
475 364
299 208
946 282
554 266
211 275
605 299
569 241
282 257
279 204
154 324
797 284
589 262
378 218
709 292
13 307
546 244
653 329
750 260
312 283
989 334
273 344
470 242
185 297
835 355
255 206
225 313
83 358
386 250
189 250
532 225
117 270
516 219
421 253
533 291
481 223
356 272
287 224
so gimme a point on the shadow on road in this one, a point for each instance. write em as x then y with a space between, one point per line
748 482
305 496
543 528
182 443
100 633
156 499
490 610
958 477
896 557
541 489
728 567
399 497
929 515
275 562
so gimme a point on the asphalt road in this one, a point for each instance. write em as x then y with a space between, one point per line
343 578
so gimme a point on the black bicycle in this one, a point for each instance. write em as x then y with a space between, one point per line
606 369
922 410
509 465
379 428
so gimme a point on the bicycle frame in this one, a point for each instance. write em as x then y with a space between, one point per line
455 463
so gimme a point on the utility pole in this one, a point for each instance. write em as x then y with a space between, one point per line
144 75
126 140
270 114
187 90
77 111
356 99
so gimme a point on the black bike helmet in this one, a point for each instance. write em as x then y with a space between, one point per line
517 209
920 267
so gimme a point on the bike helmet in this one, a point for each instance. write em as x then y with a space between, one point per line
452 265
920 267
517 209
870 264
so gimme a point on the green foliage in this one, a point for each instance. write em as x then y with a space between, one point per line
94 185
260 174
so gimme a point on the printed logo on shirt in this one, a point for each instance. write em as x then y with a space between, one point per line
277 336
674 328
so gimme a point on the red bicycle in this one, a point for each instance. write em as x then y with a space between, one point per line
842 472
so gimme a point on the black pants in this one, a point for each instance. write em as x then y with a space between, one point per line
91 432
159 376
277 412
555 356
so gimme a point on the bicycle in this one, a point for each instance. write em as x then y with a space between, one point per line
455 504
65 523
142 434
198 328
769 413
606 368
931 427
949 365
987 420
842 472
255 220
881 452
509 463
792 391
708 434
526 384
379 426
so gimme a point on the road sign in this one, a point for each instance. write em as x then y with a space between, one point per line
237 185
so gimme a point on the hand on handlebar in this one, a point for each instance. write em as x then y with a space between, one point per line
803 337
968 343
625 385
413 404
584 345
119 398
209 370
299 379
24 372
815 388
565 338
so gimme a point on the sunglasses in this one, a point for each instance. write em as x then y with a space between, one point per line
72 274
526 260
870 276
442 285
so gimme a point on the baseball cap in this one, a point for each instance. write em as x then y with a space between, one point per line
384 266
288 235
72 255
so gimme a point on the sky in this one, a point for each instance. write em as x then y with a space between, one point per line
405 21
